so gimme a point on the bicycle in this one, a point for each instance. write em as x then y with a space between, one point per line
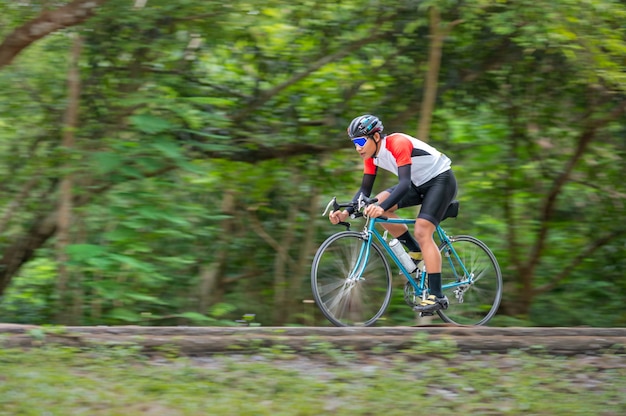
351 277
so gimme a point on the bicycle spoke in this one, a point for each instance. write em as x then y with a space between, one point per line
476 302
344 296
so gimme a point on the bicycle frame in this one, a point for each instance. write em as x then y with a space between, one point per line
347 284
419 282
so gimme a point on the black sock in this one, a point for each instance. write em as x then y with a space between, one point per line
408 241
434 284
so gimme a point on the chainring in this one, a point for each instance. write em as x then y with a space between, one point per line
410 296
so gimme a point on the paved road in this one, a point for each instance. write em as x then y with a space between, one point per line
211 340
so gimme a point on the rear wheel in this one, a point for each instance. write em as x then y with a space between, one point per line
345 296
477 302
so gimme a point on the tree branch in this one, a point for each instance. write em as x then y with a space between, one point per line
549 204
266 95
47 22
586 253
258 228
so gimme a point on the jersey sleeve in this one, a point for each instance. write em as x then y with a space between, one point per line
404 184
401 149
369 168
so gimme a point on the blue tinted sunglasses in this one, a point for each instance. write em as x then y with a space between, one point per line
359 141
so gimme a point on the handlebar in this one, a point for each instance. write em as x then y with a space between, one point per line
357 208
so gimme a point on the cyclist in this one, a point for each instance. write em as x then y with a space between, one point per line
424 177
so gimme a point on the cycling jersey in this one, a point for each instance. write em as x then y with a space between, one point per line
399 149
413 161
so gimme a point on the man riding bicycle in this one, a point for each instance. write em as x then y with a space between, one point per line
424 178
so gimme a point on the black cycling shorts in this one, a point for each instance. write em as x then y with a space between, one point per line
435 196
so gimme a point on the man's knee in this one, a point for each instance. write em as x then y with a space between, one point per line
424 230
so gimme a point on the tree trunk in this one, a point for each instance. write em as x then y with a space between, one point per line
64 218
307 249
437 36
23 249
526 265
432 75
211 286
47 22
281 268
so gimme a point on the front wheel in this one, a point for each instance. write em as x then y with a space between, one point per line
351 286
477 301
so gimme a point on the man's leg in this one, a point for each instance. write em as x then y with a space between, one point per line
424 230
437 195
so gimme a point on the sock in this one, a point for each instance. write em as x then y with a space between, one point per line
434 283
408 241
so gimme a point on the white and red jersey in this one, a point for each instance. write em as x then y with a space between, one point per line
399 149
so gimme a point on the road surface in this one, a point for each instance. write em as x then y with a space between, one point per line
199 341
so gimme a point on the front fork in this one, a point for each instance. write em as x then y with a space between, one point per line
364 253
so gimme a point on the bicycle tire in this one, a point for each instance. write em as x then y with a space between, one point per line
479 301
342 300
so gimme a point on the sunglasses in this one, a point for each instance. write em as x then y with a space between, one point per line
359 141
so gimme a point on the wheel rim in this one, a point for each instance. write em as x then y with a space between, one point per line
347 299
477 303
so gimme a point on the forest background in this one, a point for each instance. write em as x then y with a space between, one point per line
167 162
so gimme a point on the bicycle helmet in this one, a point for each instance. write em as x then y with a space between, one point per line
365 125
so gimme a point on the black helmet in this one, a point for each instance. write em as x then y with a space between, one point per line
365 125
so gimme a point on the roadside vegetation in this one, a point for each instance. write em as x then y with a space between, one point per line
55 380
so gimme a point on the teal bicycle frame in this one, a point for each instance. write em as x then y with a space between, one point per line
419 282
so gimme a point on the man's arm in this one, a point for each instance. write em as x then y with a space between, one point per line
404 184
367 184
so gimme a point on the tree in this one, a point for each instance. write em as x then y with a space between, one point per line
47 22
193 112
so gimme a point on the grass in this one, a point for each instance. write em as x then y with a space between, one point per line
56 380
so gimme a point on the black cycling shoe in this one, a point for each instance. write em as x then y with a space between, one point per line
431 304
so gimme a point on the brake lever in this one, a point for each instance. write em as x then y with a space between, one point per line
333 203
363 201
360 202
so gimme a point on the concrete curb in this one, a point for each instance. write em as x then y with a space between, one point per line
199 341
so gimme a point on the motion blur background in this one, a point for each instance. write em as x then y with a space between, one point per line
167 162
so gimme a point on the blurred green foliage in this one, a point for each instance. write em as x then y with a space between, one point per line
211 135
